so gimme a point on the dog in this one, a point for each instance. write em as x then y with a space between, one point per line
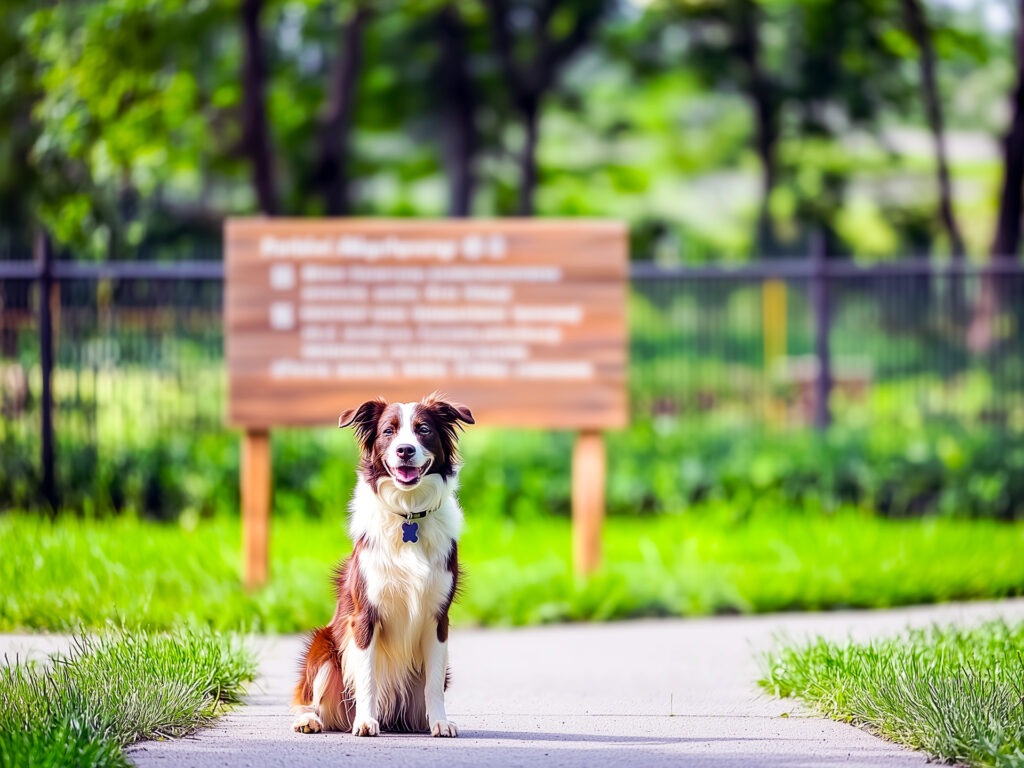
382 661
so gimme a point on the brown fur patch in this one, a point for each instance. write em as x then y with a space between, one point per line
320 650
444 420
355 612
442 612
373 419
354 615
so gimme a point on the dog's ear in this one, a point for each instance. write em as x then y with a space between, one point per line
364 420
457 412
450 412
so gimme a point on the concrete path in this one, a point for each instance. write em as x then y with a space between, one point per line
651 693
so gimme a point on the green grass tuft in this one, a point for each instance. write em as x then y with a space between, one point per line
83 707
956 694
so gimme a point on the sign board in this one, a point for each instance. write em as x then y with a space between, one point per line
522 320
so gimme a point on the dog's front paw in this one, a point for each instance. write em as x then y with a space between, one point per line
444 729
366 726
307 722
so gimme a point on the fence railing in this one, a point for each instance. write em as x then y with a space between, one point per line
109 355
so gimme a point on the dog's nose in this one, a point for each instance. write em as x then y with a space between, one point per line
405 452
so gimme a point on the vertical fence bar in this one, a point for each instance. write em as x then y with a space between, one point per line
44 254
822 318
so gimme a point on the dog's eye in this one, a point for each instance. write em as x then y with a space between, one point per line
424 429
388 432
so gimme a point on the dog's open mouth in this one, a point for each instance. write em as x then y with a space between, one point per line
408 475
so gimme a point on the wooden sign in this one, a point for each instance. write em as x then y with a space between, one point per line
523 320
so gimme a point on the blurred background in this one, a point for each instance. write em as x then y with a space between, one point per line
824 200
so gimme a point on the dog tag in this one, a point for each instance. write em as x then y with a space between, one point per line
409 532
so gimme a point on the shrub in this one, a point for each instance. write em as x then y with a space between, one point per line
654 466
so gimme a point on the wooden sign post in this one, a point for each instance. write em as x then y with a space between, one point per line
588 489
522 320
255 495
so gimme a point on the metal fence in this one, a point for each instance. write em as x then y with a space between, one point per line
795 343
112 355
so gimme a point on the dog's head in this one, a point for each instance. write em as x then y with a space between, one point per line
407 441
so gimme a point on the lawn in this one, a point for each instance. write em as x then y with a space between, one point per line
956 694
60 576
82 708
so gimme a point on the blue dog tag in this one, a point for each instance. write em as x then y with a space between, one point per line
409 532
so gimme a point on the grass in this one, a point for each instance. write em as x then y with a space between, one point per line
956 694
111 690
59 576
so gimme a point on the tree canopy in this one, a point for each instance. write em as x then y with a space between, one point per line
717 128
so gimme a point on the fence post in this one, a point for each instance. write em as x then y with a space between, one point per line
822 321
44 255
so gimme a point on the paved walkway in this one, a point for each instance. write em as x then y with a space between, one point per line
651 693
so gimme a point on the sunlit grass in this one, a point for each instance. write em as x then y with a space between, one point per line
956 694
83 707
61 575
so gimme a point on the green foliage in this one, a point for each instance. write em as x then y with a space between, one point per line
174 476
955 694
121 120
886 469
18 178
893 469
114 689
123 110
710 559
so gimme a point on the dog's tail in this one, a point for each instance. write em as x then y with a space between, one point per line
320 650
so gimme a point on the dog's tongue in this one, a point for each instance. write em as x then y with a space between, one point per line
407 474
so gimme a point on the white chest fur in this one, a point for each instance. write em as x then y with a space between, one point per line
407 581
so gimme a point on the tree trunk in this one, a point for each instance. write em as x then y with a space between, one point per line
767 140
917 24
460 135
1006 243
330 175
763 98
529 82
1007 239
528 158
255 129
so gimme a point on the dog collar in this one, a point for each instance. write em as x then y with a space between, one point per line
413 515
410 529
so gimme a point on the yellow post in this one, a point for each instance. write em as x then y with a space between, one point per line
774 320
773 308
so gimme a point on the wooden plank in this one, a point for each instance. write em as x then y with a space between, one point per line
588 500
523 320
255 491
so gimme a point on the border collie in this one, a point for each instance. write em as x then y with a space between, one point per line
382 662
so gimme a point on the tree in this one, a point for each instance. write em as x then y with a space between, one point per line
534 40
810 71
331 172
1011 198
123 108
727 49
1006 242
461 138
256 140
920 30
